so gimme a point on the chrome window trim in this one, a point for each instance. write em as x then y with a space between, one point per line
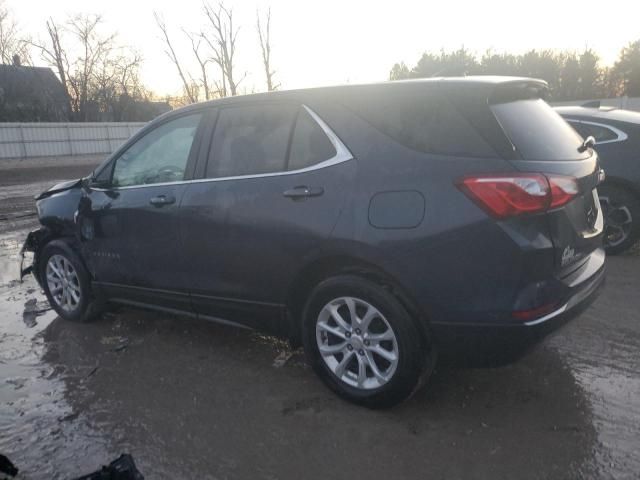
619 133
342 155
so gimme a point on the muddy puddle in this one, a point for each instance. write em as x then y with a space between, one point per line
35 431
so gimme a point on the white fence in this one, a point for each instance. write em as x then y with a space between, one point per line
27 140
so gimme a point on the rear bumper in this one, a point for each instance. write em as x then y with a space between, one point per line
506 342
582 291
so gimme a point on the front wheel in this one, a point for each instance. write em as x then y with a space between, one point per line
363 343
66 283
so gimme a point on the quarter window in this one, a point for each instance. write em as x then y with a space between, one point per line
251 140
158 157
425 122
309 144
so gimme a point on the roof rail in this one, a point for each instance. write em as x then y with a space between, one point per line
591 104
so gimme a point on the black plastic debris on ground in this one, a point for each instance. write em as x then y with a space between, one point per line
122 468
7 467
33 309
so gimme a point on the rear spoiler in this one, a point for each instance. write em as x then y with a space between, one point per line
519 89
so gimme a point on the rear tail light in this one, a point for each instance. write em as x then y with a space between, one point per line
563 190
505 196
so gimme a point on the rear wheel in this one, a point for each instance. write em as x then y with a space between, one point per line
66 283
363 343
621 217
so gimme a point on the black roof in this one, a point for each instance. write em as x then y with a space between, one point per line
37 77
23 85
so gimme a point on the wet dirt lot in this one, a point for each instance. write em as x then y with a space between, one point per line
191 399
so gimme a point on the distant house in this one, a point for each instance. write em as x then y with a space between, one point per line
31 94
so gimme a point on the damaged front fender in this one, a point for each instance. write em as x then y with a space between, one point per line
58 210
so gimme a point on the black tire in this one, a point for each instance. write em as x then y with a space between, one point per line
619 205
88 307
415 354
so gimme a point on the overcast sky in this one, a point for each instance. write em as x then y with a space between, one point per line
326 42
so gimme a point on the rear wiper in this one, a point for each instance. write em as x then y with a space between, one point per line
589 142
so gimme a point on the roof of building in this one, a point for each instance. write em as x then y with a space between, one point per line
31 81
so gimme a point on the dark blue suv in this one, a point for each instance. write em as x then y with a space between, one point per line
366 222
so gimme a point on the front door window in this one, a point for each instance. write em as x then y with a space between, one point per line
158 157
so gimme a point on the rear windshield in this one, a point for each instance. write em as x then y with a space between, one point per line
537 131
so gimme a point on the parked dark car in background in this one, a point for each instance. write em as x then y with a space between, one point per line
365 222
617 136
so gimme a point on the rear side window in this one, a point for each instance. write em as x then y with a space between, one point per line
422 121
537 131
599 132
251 140
309 144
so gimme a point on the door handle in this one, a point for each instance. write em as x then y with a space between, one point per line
302 192
161 200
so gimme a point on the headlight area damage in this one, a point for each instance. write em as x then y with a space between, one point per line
56 213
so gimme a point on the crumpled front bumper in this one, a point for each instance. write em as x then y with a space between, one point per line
33 242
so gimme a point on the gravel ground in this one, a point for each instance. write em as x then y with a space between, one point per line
191 399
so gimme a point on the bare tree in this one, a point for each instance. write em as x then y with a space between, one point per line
223 43
12 42
196 41
94 49
265 45
189 89
116 86
97 76
56 56
77 76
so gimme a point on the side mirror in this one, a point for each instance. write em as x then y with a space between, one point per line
93 182
105 185
101 177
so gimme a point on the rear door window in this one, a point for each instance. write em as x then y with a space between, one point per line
251 140
537 131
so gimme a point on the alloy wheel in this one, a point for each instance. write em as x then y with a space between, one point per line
357 343
63 283
618 222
